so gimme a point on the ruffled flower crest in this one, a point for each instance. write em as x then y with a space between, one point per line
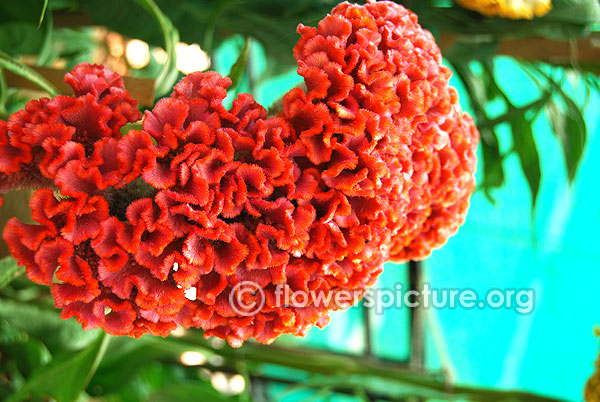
373 161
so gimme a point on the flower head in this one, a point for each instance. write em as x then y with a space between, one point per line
158 228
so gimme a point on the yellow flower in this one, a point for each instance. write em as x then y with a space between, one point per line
513 9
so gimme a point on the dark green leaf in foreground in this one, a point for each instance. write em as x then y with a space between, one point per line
64 379
20 37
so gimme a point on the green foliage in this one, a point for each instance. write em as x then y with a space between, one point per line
569 126
568 123
526 149
21 69
66 376
44 323
44 8
168 74
567 19
9 270
20 38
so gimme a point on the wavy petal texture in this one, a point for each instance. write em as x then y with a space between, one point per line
374 161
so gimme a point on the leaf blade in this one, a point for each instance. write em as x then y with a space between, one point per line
571 131
21 69
526 149
75 372
238 68
168 73
44 8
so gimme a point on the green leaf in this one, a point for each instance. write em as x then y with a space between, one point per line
74 45
18 37
169 73
127 357
46 325
44 8
570 128
64 379
47 50
131 126
525 147
3 96
238 68
28 355
9 270
9 334
21 69
574 141
493 170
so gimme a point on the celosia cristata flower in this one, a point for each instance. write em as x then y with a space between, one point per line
373 162
513 9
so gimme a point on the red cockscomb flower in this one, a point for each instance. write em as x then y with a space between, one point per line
160 227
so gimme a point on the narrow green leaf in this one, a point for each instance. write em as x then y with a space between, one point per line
168 73
3 96
570 128
574 141
526 149
9 270
238 68
21 69
46 51
571 132
64 379
576 135
493 170
44 8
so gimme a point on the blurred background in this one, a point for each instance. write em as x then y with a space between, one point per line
531 82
